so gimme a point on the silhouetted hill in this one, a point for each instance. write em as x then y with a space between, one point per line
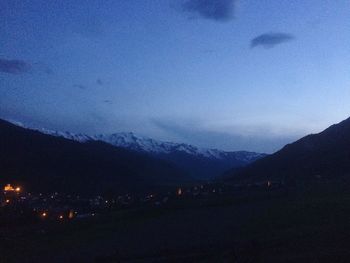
318 156
203 167
199 163
46 163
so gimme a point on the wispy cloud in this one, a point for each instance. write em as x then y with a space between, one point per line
270 40
99 82
108 102
14 66
219 10
80 86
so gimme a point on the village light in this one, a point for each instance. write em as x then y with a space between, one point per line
8 188
7 201
44 214
179 191
71 214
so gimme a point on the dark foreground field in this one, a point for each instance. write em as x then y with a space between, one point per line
309 225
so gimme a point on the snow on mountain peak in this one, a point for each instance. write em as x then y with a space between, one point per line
135 142
132 141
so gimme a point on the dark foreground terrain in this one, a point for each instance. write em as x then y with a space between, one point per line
306 225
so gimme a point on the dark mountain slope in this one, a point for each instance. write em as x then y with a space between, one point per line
203 167
199 163
46 163
323 155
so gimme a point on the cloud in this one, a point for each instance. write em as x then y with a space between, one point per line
108 102
269 40
99 82
219 10
13 66
79 86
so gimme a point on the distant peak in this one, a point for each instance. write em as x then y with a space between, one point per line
132 141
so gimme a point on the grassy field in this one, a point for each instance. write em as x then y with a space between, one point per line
309 225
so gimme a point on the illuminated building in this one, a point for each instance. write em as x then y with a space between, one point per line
10 188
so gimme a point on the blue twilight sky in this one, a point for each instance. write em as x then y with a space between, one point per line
229 74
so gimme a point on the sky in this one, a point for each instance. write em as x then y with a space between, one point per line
227 74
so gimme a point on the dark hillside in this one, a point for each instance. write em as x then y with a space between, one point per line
325 155
46 163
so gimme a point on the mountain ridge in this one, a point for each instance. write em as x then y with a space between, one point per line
324 155
135 142
200 163
46 163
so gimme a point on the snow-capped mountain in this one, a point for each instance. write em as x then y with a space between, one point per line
134 142
199 162
131 141
46 164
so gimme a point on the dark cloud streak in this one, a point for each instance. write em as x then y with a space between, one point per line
219 10
14 66
270 40
108 102
99 82
80 86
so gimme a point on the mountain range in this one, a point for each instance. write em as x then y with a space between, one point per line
322 156
126 162
198 163
44 160
45 163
